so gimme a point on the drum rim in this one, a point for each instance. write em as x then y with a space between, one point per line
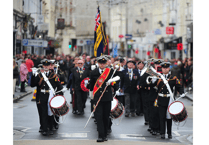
59 106
121 113
116 104
179 112
87 78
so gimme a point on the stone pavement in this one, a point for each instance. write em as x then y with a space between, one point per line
18 95
87 142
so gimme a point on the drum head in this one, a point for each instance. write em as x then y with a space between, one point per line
57 101
114 104
176 108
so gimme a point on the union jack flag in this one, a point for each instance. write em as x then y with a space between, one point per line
99 35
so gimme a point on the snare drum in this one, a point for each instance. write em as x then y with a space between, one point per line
117 109
59 105
177 111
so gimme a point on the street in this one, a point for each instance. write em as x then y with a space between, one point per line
132 129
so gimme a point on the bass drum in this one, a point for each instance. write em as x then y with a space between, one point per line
117 109
84 84
177 111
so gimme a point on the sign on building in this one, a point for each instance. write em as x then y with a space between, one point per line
35 43
43 27
169 30
60 23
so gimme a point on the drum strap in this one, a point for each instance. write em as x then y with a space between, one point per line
101 80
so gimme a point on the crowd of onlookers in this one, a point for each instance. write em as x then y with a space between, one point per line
22 64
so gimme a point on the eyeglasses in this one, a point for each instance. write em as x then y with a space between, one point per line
80 63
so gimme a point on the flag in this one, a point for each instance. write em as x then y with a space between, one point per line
99 36
115 50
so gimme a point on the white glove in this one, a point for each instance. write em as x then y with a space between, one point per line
183 95
91 94
154 79
117 92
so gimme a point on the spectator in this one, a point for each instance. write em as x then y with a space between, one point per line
29 63
15 75
23 75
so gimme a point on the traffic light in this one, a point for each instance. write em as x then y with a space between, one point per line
129 46
70 45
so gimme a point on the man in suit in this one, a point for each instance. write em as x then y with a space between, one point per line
129 84
79 73
164 100
139 105
88 62
98 79
43 91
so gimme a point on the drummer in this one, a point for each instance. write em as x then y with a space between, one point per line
164 100
44 91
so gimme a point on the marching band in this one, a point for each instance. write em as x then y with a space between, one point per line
115 87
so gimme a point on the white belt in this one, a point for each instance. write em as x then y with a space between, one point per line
44 91
164 95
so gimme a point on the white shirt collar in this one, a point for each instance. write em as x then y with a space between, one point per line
100 70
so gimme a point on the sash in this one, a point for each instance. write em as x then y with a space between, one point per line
101 80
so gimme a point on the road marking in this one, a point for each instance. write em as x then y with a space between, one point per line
131 136
73 135
176 133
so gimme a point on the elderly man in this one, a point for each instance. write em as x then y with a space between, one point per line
79 73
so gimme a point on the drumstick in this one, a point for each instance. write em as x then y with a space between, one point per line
183 95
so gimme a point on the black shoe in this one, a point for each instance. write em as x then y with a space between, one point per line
163 136
40 130
105 139
44 133
56 126
51 132
109 131
132 114
74 112
100 139
141 114
127 115
78 113
137 113
154 133
169 136
146 123
149 129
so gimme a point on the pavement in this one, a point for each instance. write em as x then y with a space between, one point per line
19 95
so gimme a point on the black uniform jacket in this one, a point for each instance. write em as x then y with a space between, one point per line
107 96
76 79
41 84
172 81
130 86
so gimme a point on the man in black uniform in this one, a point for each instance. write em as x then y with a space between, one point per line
98 79
154 123
79 73
43 91
164 97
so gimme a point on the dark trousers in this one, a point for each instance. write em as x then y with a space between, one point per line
139 106
130 102
102 114
74 100
154 120
145 103
162 116
39 114
46 121
81 97
23 86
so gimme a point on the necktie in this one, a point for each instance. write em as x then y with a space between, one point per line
101 71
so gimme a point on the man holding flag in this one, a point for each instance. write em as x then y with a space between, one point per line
99 36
